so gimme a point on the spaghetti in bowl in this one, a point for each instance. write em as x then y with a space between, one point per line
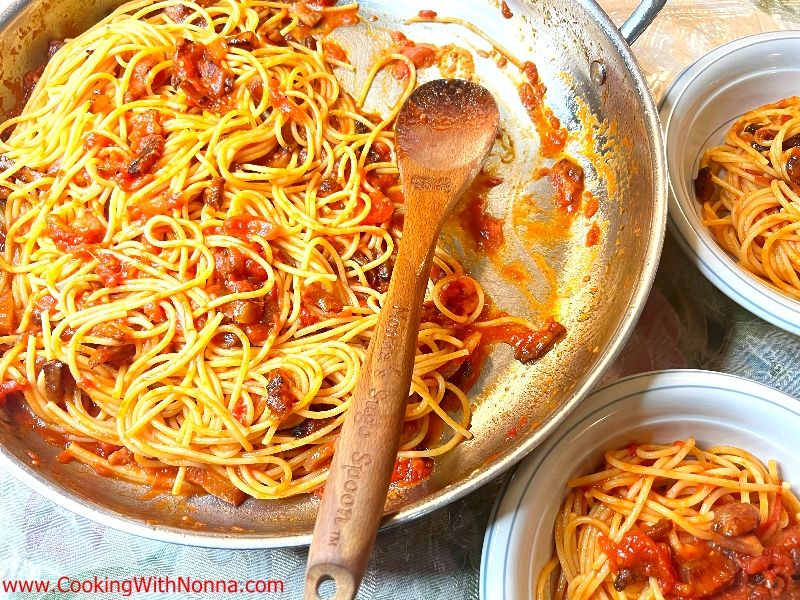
675 468
736 236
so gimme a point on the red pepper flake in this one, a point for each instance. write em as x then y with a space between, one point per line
428 15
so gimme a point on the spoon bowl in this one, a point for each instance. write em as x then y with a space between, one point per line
428 122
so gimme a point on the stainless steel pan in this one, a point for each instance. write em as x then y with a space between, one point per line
597 90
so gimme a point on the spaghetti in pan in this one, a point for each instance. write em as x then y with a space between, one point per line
199 229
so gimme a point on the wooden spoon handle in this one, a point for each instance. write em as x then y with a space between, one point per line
355 493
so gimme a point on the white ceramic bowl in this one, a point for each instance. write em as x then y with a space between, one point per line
660 407
696 113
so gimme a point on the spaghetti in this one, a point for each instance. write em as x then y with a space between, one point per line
756 214
676 521
200 226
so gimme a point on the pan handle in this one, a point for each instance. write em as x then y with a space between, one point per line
640 19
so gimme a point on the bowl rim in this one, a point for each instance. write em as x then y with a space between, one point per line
515 489
721 269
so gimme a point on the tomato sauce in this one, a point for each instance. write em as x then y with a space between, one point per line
514 431
485 232
111 271
339 18
553 135
334 51
528 344
246 227
199 71
593 235
381 209
409 472
422 55
700 569
460 296
566 177
163 204
6 313
590 205
637 549
86 229
280 102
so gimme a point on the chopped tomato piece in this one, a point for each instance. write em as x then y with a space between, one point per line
85 229
137 87
95 140
279 101
430 15
590 206
154 312
637 550
258 333
143 126
307 318
110 270
593 235
315 296
245 227
380 211
334 51
6 313
163 204
421 55
198 71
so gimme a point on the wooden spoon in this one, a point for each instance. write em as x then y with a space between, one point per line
443 133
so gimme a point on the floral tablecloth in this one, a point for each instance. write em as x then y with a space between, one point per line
687 323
